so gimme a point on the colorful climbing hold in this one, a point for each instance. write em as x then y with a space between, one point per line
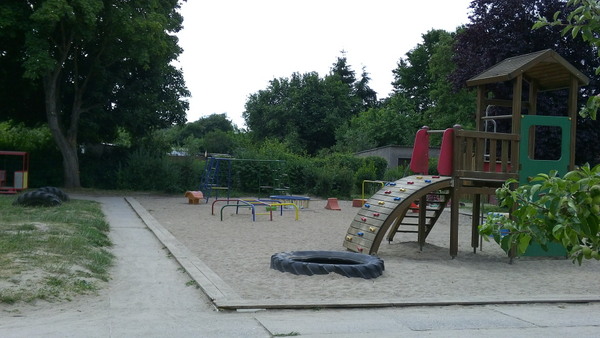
372 229
376 214
381 202
419 177
427 181
402 189
359 249
364 219
393 184
397 198
388 192
360 233
349 238
367 205
411 182
435 177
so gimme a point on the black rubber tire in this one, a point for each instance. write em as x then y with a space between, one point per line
349 264
37 198
56 191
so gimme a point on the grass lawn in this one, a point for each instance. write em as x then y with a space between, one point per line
52 253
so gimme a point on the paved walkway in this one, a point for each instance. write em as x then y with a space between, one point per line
150 295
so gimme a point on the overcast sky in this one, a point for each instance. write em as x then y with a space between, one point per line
233 48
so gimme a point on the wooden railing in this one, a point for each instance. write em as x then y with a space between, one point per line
483 156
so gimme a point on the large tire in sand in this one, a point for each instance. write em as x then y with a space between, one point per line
309 263
56 191
37 198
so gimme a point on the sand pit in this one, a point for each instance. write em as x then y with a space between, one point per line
239 251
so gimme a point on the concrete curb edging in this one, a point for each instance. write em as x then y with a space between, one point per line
210 283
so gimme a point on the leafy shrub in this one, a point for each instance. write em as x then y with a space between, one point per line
379 163
146 170
366 172
301 175
99 165
394 174
551 209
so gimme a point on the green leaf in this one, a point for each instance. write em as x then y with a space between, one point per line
506 243
524 242
555 17
557 231
539 24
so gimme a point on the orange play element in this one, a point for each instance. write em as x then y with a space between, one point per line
332 204
357 203
194 196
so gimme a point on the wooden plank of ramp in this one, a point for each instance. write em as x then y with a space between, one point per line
389 204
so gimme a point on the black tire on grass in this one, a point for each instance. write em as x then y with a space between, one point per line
309 263
37 198
56 191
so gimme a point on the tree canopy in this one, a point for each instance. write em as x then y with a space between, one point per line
305 110
94 66
421 79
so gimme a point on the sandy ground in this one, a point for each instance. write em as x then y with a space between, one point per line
239 251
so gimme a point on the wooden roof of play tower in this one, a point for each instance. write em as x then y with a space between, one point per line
546 68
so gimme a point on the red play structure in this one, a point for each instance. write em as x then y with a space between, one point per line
14 171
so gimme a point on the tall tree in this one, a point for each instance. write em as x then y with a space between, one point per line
366 93
421 80
205 125
305 110
341 68
100 64
412 78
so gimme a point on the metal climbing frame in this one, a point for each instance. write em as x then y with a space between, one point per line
213 178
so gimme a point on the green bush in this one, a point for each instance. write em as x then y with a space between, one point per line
549 209
397 173
145 170
99 165
188 171
366 172
301 175
379 163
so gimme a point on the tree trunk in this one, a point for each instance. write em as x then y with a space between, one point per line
66 144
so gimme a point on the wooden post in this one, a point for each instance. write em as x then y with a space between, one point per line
532 111
475 222
517 104
480 107
422 221
516 112
454 206
572 111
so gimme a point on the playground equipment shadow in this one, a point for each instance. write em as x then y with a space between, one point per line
230 259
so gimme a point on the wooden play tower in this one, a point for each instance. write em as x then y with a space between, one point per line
483 159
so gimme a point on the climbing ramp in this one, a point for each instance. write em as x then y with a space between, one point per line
411 204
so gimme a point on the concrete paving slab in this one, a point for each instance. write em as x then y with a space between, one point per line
331 322
556 315
458 318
